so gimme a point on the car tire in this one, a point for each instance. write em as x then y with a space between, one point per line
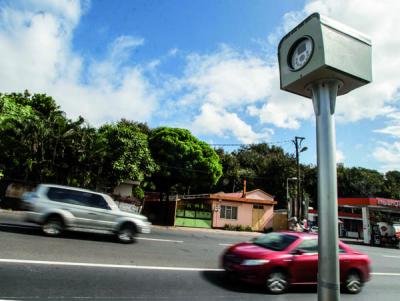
277 282
126 234
53 226
353 283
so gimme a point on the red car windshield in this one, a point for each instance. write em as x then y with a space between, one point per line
275 241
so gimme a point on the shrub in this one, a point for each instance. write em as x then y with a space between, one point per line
248 228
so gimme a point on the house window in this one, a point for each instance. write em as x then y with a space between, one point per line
228 212
256 206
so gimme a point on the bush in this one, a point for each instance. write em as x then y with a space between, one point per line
237 227
248 228
267 230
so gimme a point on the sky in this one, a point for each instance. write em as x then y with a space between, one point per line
206 65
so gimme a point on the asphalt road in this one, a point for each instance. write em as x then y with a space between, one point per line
169 264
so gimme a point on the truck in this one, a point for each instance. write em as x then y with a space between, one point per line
386 234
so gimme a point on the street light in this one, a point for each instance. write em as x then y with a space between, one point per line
289 205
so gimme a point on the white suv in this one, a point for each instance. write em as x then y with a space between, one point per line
58 208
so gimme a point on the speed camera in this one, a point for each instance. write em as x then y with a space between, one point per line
320 48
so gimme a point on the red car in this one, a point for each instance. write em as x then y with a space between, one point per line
280 259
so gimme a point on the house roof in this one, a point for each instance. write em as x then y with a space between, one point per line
256 196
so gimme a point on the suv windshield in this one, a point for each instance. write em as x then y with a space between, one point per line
275 241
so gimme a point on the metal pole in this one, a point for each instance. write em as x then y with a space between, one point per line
298 206
324 94
287 200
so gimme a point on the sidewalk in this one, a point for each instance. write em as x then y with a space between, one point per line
353 241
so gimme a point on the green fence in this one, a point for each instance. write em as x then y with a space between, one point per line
194 215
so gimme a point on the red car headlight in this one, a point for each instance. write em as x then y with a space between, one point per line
252 262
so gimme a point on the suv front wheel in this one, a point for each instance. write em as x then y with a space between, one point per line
53 226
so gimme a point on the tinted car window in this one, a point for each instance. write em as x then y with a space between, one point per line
77 198
275 241
63 196
308 246
95 200
311 246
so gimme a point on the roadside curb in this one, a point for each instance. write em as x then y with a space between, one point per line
204 230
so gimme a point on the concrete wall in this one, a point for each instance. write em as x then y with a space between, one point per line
123 189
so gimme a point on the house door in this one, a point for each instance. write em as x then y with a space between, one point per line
257 219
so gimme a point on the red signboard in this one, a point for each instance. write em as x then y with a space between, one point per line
388 203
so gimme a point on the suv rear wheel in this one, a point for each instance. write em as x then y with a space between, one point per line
53 226
126 234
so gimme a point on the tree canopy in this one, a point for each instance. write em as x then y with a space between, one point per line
182 159
125 154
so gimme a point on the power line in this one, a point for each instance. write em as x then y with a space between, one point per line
249 144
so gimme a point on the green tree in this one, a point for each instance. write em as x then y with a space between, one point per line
183 160
265 167
359 182
232 173
310 184
40 144
26 126
125 155
392 185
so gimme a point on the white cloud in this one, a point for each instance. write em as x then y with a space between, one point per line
339 156
35 37
388 155
393 128
121 47
227 78
218 121
219 84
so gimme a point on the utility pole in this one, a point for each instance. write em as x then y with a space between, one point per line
298 204
289 200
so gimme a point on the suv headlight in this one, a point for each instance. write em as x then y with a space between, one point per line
255 261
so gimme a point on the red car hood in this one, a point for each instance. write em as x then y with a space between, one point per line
250 250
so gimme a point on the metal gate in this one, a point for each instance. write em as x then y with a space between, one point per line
193 214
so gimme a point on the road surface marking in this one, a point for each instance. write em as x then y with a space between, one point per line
159 239
385 274
226 245
391 256
100 265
